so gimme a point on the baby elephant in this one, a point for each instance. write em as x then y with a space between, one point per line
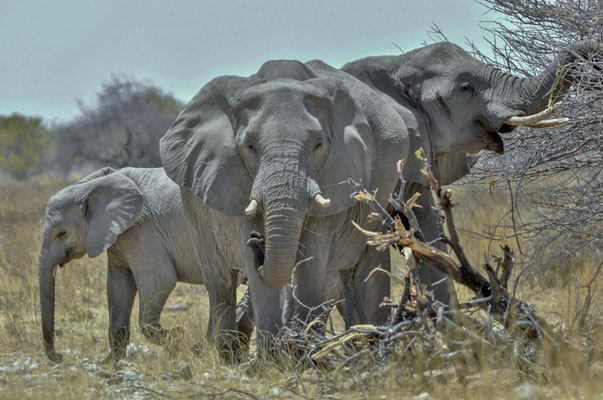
136 215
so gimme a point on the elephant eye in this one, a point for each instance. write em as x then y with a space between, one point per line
318 146
61 235
466 87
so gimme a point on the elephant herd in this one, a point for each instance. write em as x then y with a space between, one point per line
254 188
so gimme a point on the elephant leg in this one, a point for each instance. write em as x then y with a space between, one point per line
245 321
121 290
265 302
155 283
266 312
308 293
363 297
310 282
436 281
222 327
334 291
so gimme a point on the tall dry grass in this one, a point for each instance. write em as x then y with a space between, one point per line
152 371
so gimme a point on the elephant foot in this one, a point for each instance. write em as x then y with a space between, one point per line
117 353
269 346
158 335
232 347
155 335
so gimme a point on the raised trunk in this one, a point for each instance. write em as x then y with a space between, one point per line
46 275
556 79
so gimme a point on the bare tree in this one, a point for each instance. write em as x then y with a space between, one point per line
122 128
558 172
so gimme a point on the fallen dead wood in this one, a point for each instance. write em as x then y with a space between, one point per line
494 327
501 304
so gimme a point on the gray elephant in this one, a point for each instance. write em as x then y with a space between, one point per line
274 151
136 215
452 104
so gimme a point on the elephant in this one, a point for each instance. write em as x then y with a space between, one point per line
453 104
136 215
275 151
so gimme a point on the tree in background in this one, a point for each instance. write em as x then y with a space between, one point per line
24 143
559 172
121 128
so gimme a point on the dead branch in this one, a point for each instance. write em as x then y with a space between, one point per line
421 327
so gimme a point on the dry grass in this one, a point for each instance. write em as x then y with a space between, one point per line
152 371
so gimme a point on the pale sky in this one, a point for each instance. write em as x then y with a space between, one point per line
55 52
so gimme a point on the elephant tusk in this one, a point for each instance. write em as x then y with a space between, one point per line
252 208
321 201
549 123
528 120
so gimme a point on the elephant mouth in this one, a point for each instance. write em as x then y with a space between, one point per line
491 137
70 254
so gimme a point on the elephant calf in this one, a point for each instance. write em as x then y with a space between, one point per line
136 215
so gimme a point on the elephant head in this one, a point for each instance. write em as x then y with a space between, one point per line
280 144
455 104
84 218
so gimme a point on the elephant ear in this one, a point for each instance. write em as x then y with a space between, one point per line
351 150
447 167
97 174
112 205
199 151
368 137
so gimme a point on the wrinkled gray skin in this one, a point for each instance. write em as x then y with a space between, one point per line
453 104
280 137
136 215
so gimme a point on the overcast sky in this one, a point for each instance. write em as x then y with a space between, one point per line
55 52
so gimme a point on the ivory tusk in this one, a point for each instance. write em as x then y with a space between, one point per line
549 123
321 201
531 119
252 208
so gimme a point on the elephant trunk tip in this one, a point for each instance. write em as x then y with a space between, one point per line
271 283
51 353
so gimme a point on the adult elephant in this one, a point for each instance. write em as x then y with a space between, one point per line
453 104
275 150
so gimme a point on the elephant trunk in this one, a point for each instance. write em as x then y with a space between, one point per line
46 276
284 189
554 82
50 258
283 229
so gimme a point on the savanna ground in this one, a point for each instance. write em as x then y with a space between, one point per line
150 371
